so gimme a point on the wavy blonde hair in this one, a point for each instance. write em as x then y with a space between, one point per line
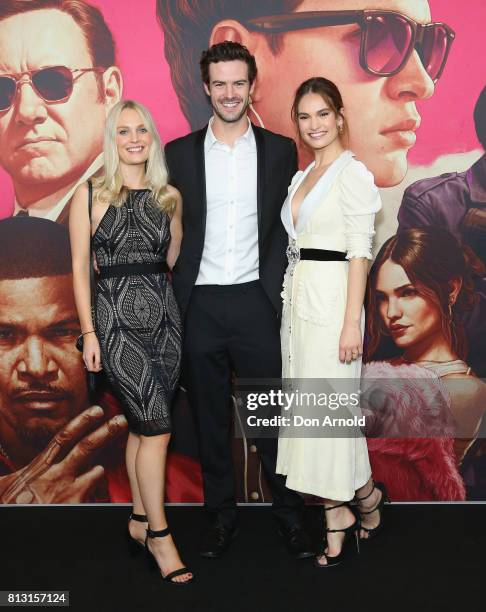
110 188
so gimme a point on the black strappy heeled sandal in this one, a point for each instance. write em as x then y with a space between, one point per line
373 531
134 545
162 533
350 533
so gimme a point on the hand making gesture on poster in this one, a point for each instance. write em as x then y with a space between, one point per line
66 471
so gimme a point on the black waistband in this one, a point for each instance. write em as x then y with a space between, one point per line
133 269
322 255
236 288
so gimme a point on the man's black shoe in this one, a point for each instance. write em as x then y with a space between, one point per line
218 538
297 541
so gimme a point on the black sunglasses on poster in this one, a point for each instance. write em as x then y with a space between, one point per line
52 83
388 38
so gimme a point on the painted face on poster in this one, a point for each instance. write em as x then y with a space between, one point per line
43 383
381 111
47 143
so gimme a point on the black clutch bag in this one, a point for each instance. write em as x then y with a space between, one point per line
79 343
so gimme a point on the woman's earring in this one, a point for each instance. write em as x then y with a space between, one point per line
340 128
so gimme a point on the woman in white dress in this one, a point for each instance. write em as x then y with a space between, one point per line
329 216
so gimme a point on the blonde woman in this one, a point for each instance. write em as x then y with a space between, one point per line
131 219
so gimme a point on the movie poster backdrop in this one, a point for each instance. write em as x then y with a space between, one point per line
71 61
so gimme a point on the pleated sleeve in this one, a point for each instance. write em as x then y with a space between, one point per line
360 201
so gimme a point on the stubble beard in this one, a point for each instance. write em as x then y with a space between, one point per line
233 118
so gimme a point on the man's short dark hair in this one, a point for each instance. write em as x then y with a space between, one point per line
187 28
480 118
97 34
33 248
227 51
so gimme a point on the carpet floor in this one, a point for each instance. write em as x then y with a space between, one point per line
429 557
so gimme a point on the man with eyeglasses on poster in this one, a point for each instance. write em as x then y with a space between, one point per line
58 80
384 55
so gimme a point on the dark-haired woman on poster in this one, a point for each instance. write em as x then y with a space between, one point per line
329 216
135 230
421 285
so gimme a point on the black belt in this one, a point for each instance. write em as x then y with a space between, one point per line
322 255
133 269
231 289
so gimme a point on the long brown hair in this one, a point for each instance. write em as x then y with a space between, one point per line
432 258
329 92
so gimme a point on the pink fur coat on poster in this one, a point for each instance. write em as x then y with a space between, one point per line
410 431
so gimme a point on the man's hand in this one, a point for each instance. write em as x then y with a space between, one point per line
73 477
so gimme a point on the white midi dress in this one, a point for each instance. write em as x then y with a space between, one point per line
337 214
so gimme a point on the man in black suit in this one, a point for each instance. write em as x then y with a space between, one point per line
233 178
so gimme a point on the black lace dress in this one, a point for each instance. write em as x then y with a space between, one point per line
136 315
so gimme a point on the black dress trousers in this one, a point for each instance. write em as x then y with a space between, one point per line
231 328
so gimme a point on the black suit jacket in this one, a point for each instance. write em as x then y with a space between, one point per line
276 165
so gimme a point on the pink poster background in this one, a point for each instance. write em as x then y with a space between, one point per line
446 128
446 132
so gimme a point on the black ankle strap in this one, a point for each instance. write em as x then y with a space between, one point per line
336 506
141 518
350 529
344 530
366 497
162 533
384 497
378 505
178 572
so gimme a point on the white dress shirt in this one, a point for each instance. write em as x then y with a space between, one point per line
53 213
230 253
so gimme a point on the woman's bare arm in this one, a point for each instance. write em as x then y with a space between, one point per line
351 336
80 236
175 229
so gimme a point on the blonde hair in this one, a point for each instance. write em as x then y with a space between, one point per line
110 188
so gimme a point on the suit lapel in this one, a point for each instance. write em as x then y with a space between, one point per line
260 145
200 179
